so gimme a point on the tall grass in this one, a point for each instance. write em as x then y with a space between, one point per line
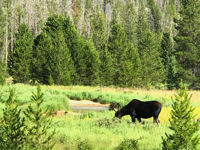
72 129
99 128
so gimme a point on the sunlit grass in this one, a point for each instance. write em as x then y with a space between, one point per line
153 93
71 129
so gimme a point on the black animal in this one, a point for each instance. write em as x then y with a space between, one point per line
139 109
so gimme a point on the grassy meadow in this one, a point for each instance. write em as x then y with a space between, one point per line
98 128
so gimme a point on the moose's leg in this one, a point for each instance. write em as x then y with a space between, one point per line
139 119
156 120
133 115
133 118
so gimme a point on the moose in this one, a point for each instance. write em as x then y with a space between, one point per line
139 109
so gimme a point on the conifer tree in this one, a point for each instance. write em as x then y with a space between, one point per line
37 137
182 123
142 24
114 16
156 16
42 59
89 64
152 67
106 74
12 129
76 45
59 67
188 41
169 14
130 23
168 60
86 26
20 57
130 75
117 46
63 63
98 28
2 73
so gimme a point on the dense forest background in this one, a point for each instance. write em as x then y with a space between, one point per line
126 43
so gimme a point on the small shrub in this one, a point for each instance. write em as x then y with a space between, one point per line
84 145
128 144
56 102
38 136
108 123
50 80
89 114
12 127
185 129
85 95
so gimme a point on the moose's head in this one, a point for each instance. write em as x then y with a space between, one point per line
117 112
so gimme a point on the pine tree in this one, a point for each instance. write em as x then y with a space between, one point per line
169 14
37 137
86 33
156 16
142 25
188 41
117 46
107 70
182 123
60 65
21 56
168 60
12 129
130 75
114 16
130 23
89 64
172 76
2 73
63 63
76 45
152 67
98 28
42 59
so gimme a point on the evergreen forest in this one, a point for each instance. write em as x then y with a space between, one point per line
124 43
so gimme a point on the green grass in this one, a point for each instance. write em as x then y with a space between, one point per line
97 128
73 129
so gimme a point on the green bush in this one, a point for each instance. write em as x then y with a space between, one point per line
108 123
56 102
128 144
84 145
